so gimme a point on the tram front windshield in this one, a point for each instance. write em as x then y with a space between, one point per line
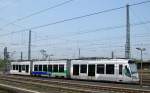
133 68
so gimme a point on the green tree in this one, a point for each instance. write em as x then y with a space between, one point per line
2 64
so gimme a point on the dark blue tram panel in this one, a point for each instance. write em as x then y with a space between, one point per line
41 73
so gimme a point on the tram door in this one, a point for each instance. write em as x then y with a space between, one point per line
91 71
27 68
19 68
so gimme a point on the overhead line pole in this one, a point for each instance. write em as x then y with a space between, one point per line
127 46
79 53
29 46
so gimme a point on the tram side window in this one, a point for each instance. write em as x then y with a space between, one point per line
109 68
23 67
17 67
27 68
61 68
40 67
45 68
14 67
20 68
91 70
120 69
49 68
100 68
75 69
83 68
35 67
55 68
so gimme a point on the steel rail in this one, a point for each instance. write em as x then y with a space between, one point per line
76 86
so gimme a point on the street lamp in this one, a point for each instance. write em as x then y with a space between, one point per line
141 50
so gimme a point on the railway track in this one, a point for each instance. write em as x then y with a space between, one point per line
146 81
146 77
11 89
74 87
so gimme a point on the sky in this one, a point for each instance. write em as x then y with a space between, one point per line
63 40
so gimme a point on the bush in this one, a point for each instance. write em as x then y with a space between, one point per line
2 64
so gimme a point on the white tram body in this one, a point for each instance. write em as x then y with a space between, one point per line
20 68
118 70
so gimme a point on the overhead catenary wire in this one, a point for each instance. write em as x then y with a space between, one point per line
17 44
80 33
148 1
75 18
100 29
139 18
102 45
61 21
20 26
38 12
96 30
